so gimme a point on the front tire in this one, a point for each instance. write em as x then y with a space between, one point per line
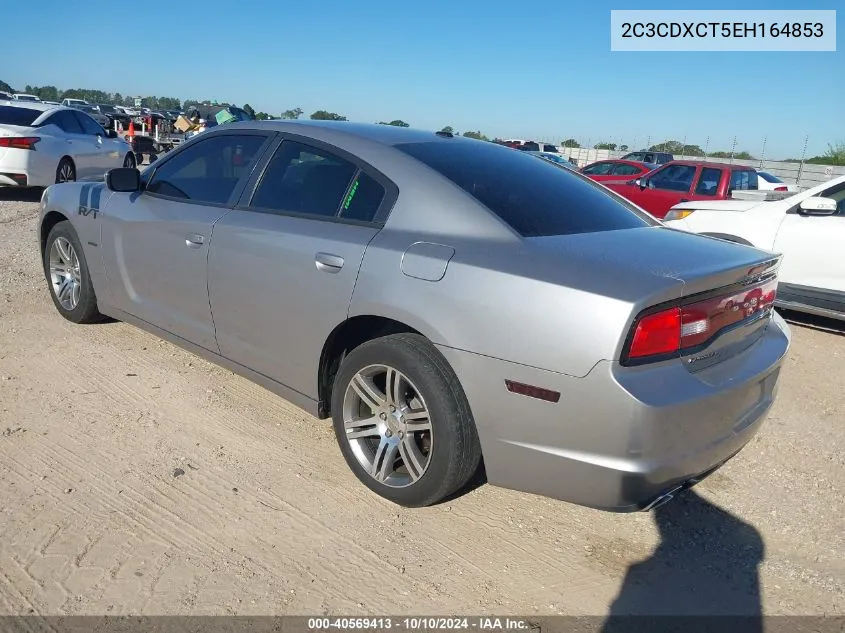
130 161
403 422
67 276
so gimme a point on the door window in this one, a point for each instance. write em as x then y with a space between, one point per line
673 178
708 182
89 125
743 179
311 181
621 169
66 122
209 170
599 169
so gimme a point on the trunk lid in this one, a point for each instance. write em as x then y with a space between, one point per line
659 267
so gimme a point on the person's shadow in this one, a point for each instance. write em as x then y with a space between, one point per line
705 565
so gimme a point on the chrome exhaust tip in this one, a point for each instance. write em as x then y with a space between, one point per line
663 499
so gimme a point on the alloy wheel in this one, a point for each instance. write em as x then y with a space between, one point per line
388 426
64 273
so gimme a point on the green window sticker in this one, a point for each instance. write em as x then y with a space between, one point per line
350 195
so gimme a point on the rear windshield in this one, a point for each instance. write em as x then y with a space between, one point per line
768 177
18 116
532 196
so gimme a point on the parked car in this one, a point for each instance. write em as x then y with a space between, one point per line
808 229
95 114
71 103
615 169
681 181
647 156
113 114
5 96
20 96
557 159
768 182
43 144
321 249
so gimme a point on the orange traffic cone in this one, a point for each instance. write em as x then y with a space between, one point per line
131 135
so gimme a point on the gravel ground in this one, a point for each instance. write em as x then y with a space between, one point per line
137 478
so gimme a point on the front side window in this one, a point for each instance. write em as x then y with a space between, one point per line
305 179
598 169
621 169
67 122
533 197
209 170
673 178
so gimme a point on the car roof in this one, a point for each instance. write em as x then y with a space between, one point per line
34 105
706 163
382 134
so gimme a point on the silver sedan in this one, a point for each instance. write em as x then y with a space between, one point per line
443 300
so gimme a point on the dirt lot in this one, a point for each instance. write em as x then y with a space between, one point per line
136 478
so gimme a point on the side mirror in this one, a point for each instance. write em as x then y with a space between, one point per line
123 179
817 206
111 133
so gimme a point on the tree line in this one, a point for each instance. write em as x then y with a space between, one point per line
835 155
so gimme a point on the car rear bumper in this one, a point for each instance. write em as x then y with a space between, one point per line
619 438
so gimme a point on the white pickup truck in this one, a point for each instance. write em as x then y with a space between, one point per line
808 228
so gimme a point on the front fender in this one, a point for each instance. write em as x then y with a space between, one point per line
81 204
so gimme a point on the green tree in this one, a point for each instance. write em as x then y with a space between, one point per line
263 116
4 87
248 109
676 147
623 148
835 155
395 122
292 114
571 142
323 115
610 146
738 155
476 135
448 129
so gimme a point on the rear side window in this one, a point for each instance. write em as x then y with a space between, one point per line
363 199
743 179
621 169
18 116
708 182
307 180
533 197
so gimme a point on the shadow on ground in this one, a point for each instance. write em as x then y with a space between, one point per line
20 194
811 321
706 564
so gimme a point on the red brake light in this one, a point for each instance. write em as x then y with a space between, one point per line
781 189
657 334
687 326
19 142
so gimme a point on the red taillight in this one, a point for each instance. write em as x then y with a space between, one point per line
692 325
781 188
657 334
19 142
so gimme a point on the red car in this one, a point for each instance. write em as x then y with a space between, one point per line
616 169
682 181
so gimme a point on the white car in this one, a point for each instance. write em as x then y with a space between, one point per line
768 182
20 96
44 144
808 228
74 102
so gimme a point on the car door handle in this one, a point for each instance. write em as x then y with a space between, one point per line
328 263
194 240
684 200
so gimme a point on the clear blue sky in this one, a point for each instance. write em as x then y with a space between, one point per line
529 69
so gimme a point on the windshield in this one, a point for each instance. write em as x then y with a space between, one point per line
533 197
11 115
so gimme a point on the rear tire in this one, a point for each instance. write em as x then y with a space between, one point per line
414 442
66 171
67 276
